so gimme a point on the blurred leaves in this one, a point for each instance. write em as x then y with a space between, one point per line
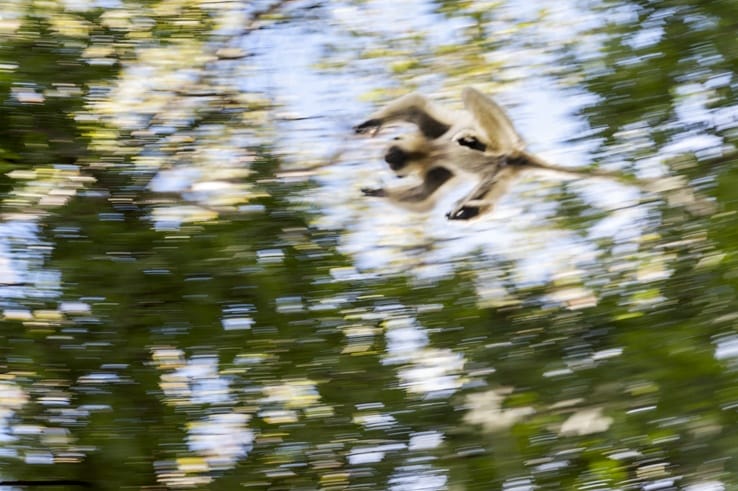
177 314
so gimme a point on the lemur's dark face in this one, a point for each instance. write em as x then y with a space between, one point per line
401 159
407 154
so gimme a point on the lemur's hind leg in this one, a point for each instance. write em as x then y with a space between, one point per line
485 195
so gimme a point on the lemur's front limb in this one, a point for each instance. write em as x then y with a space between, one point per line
418 197
412 108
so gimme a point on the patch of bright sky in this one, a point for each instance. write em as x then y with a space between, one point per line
706 486
8 273
727 347
223 438
426 440
404 337
206 384
423 370
174 180
419 477
373 454
433 373
12 398
518 484
86 5
375 421
20 255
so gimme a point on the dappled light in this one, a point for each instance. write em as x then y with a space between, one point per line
196 293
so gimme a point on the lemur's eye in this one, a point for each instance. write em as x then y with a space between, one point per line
471 142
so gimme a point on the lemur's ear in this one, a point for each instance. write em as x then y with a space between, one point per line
497 131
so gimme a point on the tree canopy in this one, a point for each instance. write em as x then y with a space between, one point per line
195 295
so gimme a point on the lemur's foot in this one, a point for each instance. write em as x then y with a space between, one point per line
370 126
463 213
374 192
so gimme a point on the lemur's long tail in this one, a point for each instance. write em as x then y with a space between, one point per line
533 161
675 189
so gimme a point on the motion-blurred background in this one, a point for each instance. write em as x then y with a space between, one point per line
195 295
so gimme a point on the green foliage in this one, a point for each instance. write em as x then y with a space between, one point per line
183 337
